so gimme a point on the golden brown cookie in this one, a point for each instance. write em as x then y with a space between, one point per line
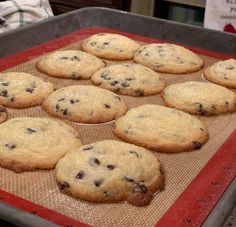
222 73
110 46
22 90
85 104
29 143
72 64
129 79
161 128
200 98
110 171
168 58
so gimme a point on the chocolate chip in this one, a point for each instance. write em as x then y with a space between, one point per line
226 103
128 179
139 188
57 107
30 90
12 99
213 107
108 193
117 97
139 92
10 146
105 63
92 43
75 58
135 153
98 182
94 161
64 185
73 101
88 148
2 110
30 130
105 76
196 145
114 82
230 68
201 129
200 109
5 83
4 93
116 89
80 175
179 60
127 130
129 79
75 76
106 43
111 167
61 99
65 112
107 106
124 84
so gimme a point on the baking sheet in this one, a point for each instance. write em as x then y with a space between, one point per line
180 168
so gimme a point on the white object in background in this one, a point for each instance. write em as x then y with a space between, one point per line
18 13
221 15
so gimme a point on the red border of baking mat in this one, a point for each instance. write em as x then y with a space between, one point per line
200 196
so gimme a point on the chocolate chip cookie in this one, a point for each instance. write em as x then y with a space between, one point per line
129 79
110 171
71 64
200 98
161 128
222 73
3 114
29 143
168 58
22 90
110 46
85 104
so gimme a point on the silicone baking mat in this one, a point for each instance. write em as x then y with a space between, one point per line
193 183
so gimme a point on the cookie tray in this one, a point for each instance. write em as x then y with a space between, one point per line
204 197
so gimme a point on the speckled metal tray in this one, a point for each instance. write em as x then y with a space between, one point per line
181 168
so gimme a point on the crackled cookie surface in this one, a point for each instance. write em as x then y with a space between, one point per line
200 98
129 79
161 128
110 46
168 58
21 90
3 114
222 73
71 64
85 104
110 171
29 143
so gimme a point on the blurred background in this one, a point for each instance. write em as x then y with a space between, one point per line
185 11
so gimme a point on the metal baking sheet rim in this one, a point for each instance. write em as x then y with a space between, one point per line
78 12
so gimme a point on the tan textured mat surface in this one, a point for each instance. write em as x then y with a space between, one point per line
40 186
